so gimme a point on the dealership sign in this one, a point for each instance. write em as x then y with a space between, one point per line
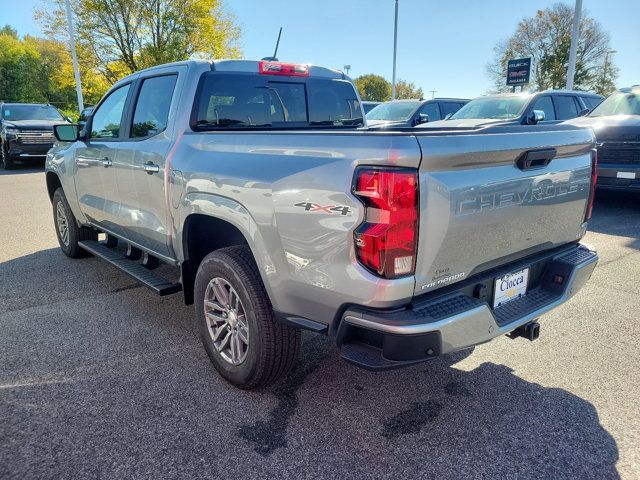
518 71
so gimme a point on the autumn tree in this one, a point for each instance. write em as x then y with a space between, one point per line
408 90
122 36
546 38
373 88
36 69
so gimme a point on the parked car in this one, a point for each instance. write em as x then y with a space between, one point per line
26 131
551 106
84 115
275 211
368 106
409 113
616 123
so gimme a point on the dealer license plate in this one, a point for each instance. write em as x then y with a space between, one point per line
510 286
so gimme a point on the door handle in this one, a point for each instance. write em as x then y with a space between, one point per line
151 168
533 159
106 161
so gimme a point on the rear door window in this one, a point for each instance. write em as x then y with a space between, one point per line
545 104
152 108
228 101
566 107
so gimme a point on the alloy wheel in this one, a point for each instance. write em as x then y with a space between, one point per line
62 223
226 321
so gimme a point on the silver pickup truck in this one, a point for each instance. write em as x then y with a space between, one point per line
270 206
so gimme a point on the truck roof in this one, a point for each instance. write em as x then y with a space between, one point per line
240 66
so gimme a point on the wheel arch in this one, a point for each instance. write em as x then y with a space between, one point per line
202 234
53 183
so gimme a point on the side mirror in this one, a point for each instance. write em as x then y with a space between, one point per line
535 117
423 118
448 116
66 132
584 112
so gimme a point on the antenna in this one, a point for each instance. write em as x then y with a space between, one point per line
275 53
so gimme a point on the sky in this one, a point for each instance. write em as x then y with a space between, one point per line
442 45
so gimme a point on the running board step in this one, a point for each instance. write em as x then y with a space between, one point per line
155 282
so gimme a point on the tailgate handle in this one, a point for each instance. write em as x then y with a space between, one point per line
532 159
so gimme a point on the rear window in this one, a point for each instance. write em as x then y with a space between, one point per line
240 101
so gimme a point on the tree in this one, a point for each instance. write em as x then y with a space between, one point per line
35 69
373 87
408 90
119 37
9 30
18 70
547 38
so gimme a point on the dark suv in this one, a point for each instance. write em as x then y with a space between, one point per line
409 113
616 123
26 131
519 108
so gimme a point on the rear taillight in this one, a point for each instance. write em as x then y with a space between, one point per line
594 179
386 241
279 68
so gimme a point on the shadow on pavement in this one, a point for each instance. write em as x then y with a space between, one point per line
27 167
99 378
432 421
617 213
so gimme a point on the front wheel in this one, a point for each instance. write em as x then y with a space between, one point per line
67 229
7 162
236 322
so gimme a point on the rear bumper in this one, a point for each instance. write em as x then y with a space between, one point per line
381 339
613 176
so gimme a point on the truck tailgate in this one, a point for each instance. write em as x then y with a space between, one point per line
479 209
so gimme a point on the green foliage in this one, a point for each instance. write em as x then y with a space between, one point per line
40 70
20 68
407 90
9 30
547 38
373 88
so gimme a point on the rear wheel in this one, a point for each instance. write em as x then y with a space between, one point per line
236 322
5 158
67 229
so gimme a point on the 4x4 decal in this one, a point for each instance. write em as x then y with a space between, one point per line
330 209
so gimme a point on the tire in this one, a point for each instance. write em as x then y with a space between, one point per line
62 214
5 158
271 347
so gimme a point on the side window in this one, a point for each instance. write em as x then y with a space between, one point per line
566 106
546 105
152 108
107 118
432 110
591 102
449 107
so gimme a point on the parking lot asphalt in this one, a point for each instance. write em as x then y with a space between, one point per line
99 378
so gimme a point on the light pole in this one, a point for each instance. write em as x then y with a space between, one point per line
347 68
606 65
395 48
433 94
74 56
575 33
